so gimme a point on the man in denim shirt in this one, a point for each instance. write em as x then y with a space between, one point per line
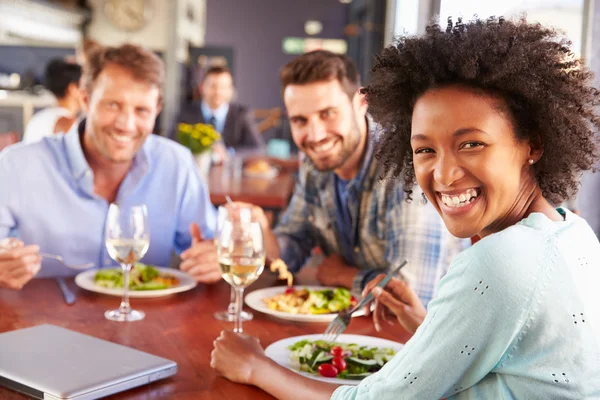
362 224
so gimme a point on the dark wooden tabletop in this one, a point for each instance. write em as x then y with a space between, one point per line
273 193
180 327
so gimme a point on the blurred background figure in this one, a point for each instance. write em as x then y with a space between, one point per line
233 121
62 78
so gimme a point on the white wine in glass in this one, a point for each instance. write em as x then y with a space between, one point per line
127 239
241 271
222 214
127 251
241 256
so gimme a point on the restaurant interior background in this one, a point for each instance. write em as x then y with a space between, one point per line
253 37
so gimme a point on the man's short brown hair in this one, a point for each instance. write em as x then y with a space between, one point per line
144 65
319 66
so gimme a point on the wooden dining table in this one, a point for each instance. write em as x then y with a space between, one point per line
272 193
179 327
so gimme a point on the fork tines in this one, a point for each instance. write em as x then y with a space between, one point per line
335 328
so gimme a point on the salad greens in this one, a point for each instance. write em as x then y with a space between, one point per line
304 301
141 277
338 360
329 301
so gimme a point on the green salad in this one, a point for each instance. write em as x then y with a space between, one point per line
141 277
304 301
339 360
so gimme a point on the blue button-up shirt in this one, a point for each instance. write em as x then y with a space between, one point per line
220 115
47 198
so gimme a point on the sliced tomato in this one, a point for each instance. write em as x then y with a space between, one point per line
339 363
328 370
336 351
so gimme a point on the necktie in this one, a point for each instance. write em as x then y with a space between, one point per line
212 121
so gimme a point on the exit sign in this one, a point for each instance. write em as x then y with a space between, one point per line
298 45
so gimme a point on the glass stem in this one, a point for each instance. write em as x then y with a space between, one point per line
232 304
125 308
239 295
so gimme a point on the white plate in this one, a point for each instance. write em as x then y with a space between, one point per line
85 280
280 353
271 173
255 301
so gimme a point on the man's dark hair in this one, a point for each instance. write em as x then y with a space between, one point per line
59 75
545 92
319 66
217 70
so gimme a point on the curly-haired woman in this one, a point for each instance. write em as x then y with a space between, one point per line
495 120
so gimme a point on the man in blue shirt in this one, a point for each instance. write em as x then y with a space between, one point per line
56 193
362 225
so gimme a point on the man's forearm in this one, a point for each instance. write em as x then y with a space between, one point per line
284 384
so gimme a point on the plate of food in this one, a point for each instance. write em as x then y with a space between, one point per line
260 169
144 281
302 303
347 361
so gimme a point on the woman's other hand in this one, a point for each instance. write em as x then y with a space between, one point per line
396 301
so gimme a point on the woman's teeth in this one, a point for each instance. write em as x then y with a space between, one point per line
459 200
121 138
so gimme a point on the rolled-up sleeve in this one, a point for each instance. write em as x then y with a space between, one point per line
295 234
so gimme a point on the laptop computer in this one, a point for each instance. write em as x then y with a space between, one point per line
50 362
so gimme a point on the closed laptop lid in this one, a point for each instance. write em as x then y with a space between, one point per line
67 364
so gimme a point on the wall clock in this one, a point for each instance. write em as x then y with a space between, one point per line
128 15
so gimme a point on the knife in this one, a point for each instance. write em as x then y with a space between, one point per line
67 294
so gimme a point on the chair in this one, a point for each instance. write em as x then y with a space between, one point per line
269 118
8 138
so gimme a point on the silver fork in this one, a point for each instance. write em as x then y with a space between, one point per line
341 322
62 261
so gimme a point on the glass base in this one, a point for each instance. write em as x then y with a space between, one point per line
117 315
230 317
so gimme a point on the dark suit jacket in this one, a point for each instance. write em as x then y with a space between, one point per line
239 132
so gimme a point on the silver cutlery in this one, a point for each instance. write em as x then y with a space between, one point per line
341 322
62 261
66 292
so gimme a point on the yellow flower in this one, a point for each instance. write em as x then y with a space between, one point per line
185 128
205 142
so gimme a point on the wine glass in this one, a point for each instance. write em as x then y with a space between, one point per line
229 314
127 239
241 254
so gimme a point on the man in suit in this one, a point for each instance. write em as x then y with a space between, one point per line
234 121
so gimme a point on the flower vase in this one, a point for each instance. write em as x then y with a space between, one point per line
203 161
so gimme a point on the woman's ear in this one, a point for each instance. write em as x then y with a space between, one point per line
536 148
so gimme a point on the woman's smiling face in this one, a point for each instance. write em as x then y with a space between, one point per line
468 161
